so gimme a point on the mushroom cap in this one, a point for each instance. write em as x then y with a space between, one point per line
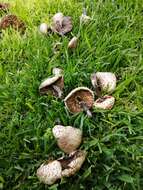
72 163
46 85
84 18
73 43
4 6
58 17
48 173
57 71
43 28
13 21
64 27
68 138
83 94
105 102
107 81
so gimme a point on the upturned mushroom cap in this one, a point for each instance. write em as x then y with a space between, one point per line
12 21
68 138
49 85
78 96
72 163
106 81
62 25
49 173
73 43
105 102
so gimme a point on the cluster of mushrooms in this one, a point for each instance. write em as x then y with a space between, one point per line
78 100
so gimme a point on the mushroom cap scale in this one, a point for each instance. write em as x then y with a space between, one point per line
80 94
68 138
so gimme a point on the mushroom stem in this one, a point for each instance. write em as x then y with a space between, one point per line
58 90
85 108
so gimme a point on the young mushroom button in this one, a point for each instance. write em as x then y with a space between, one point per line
80 99
68 138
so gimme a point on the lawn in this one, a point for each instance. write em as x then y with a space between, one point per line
112 41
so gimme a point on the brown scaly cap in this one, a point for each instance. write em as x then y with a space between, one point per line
63 28
76 97
12 21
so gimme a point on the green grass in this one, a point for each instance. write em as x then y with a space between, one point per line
113 41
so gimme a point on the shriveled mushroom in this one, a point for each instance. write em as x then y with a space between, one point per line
61 24
105 102
49 173
53 85
73 43
80 99
4 6
103 81
72 163
12 21
68 138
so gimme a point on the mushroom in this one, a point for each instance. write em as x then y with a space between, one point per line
61 24
68 138
84 18
49 173
105 102
12 21
43 28
52 85
72 163
73 43
4 6
103 81
80 99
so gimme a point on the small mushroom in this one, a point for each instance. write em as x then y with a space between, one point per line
80 99
84 18
43 28
61 24
73 43
52 85
4 6
68 138
103 81
72 163
49 173
105 102
12 21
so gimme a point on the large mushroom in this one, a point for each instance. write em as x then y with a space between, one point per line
12 21
80 99
53 85
105 102
49 173
68 138
103 82
61 24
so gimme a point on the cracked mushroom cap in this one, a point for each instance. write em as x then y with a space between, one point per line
76 97
68 138
12 21
49 173
61 24
105 102
105 80
72 163
49 85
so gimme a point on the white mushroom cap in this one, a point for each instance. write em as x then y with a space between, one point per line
105 80
73 43
106 102
43 28
58 17
76 159
84 94
49 81
68 138
49 173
